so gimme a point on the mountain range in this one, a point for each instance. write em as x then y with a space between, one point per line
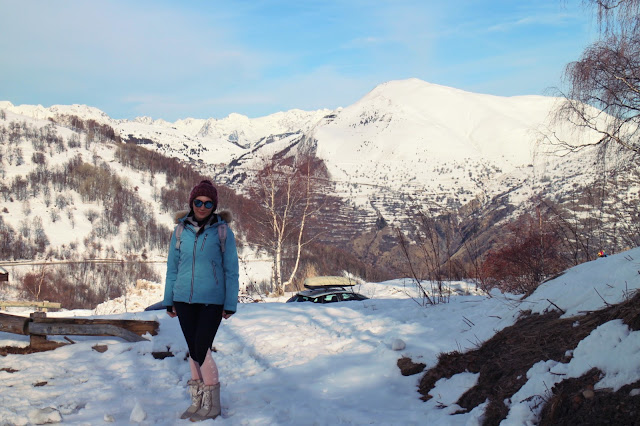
438 143
406 143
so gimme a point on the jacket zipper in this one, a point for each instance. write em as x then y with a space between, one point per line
193 266
205 239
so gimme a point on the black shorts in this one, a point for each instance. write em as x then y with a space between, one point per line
199 325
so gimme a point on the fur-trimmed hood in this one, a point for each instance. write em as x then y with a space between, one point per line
224 215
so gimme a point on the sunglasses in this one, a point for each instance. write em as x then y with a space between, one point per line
199 203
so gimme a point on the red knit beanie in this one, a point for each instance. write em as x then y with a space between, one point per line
206 189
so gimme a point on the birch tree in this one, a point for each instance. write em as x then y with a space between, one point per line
289 193
607 77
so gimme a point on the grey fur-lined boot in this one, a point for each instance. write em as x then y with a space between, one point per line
196 398
210 408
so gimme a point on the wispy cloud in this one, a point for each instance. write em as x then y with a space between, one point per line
537 20
173 59
362 42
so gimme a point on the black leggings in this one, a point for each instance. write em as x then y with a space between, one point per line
199 325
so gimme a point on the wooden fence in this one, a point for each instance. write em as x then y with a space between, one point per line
41 306
38 327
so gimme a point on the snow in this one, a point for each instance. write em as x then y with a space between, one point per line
590 286
406 137
309 364
443 145
302 364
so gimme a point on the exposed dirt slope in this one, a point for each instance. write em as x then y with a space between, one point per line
504 360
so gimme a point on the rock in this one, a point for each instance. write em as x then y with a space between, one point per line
100 348
44 416
408 367
137 414
71 408
108 418
398 345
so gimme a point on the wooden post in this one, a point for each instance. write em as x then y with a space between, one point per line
37 340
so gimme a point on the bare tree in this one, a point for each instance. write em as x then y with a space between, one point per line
429 256
289 193
607 79
473 250
531 253
33 283
568 223
414 270
616 16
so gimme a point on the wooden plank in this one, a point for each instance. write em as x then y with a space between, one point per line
27 304
14 324
135 326
83 330
39 324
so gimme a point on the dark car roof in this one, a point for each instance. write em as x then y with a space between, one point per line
326 295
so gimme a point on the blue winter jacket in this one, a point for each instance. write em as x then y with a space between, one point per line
197 272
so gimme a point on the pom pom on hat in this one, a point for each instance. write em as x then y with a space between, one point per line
204 188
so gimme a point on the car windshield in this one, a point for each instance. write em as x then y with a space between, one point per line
326 296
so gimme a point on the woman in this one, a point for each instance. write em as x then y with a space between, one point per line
202 288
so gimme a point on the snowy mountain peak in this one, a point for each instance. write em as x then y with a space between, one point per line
410 85
417 121
440 144
40 112
237 117
143 120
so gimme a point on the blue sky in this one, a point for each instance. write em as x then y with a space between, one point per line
202 59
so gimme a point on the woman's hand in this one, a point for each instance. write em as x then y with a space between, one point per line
226 315
172 312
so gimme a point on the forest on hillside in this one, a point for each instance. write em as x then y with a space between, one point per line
117 210
472 242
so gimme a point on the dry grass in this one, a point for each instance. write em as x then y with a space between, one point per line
6 350
504 360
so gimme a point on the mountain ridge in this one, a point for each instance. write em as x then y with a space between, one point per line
435 143
404 144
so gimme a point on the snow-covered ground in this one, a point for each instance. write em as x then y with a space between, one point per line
306 364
